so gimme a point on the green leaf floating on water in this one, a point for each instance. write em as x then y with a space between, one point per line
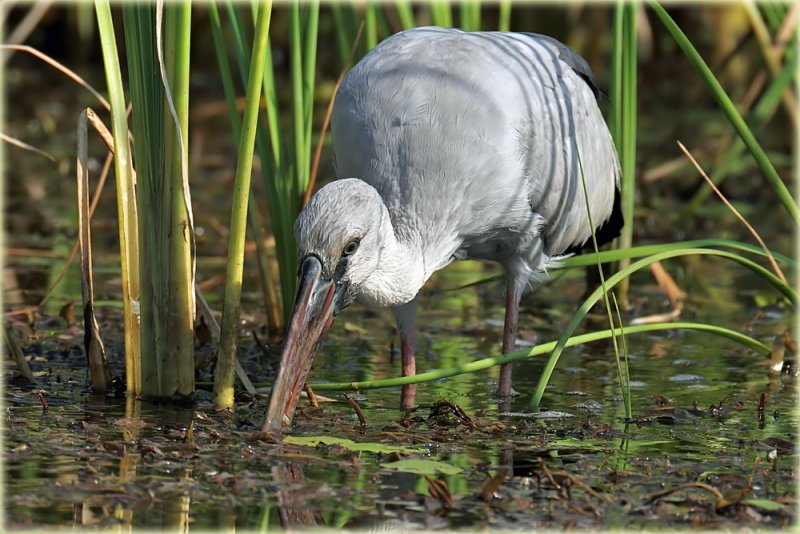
313 441
423 467
764 504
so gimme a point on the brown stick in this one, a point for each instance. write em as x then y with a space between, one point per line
356 408
312 397
43 401
70 73
701 485
25 146
738 215
15 348
95 351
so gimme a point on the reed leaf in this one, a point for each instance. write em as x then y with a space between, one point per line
623 119
226 356
606 256
347 24
160 125
286 166
282 210
406 14
758 118
604 290
371 25
470 16
180 279
504 16
646 250
272 303
441 13
126 198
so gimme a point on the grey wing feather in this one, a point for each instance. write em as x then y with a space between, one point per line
574 60
471 139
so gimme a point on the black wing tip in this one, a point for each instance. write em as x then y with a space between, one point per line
608 231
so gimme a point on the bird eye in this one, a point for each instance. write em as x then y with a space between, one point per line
350 248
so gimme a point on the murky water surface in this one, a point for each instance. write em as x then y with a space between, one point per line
711 442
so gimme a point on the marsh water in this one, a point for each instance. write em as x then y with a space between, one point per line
707 417
711 442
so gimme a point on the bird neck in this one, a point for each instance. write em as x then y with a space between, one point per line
399 275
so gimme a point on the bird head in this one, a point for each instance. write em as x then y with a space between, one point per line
338 238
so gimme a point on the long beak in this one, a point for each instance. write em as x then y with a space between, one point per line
311 318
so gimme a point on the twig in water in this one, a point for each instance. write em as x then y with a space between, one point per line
753 472
312 397
92 206
701 485
491 485
356 408
673 292
439 490
578 482
548 474
99 374
45 406
15 347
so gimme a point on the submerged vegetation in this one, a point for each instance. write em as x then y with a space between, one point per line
718 79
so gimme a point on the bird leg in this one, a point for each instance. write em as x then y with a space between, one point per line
405 316
407 346
513 295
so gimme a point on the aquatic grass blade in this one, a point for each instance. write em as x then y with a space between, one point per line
272 302
625 375
226 355
646 250
603 288
371 25
286 162
486 363
759 117
327 119
441 13
606 256
470 15
275 172
504 16
406 14
623 119
761 32
311 34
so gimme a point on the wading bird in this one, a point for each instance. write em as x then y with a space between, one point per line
457 145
